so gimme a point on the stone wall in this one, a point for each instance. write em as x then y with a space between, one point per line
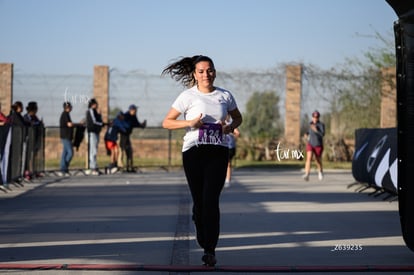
293 104
6 87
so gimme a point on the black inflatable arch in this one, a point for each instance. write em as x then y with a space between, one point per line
404 45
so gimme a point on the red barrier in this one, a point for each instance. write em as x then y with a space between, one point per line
196 268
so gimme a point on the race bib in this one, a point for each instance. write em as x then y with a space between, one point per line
210 133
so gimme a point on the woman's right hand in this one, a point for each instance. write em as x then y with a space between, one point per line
196 122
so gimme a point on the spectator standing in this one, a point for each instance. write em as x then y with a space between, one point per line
31 115
19 143
5 140
34 140
118 125
3 118
94 126
314 146
131 118
16 118
66 136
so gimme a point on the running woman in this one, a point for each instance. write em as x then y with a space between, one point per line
314 145
205 149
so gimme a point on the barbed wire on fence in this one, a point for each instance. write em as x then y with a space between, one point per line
154 94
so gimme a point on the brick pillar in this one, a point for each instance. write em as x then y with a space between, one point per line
293 104
388 98
101 90
6 87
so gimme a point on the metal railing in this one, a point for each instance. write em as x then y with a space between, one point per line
28 152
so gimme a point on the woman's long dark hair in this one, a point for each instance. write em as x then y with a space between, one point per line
183 69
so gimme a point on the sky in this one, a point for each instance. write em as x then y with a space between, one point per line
71 36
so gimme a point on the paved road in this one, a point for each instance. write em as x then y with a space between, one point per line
270 220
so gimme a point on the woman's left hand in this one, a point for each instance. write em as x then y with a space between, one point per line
227 128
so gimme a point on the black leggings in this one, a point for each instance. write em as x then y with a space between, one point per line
205 167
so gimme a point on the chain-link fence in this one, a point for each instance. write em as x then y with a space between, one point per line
154 94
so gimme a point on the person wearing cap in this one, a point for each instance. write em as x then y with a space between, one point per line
66 135
314 145
94 125
118 125
130 117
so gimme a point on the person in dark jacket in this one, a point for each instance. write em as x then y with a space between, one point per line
16 118
31 117
19 133
94 125
66 135
35 139
118 125
130 117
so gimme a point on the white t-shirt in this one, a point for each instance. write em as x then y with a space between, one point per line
213 106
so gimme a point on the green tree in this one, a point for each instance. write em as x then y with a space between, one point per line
261 123
262 116
360 102
352 90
